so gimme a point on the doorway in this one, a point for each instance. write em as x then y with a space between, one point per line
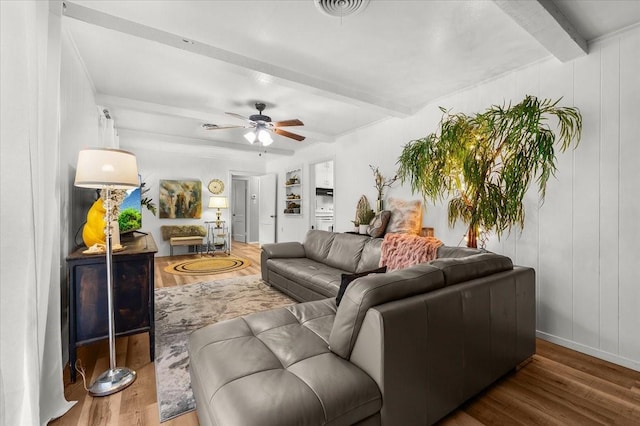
252 207
322 200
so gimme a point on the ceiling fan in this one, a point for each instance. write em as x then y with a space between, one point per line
261 125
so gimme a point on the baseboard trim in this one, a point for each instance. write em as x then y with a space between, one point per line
598 353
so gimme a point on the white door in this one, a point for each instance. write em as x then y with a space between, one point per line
267 203
239 210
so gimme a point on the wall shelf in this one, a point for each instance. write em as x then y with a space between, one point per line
293 192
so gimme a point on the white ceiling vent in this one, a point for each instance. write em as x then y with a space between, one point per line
340 8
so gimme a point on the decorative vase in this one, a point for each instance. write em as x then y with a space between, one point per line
363 229
93 231
379 205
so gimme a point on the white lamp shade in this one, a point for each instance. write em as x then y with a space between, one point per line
260 134
250 136
218 202
264 137
100 167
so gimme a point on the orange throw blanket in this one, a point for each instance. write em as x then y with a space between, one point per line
403 250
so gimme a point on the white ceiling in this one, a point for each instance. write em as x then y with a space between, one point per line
167 67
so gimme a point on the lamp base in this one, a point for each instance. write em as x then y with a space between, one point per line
112 381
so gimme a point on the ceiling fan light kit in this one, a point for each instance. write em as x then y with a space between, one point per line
259 134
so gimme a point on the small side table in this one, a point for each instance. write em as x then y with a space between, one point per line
217 237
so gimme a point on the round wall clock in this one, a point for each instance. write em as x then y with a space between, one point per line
216 186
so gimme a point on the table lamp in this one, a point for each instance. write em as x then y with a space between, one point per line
219 203
108 169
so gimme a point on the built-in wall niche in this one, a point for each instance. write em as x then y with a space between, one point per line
293 192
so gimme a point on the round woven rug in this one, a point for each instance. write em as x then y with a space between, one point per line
208 266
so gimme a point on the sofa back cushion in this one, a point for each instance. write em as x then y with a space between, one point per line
461 269
375 289
345 251
317 244
370 257
449 251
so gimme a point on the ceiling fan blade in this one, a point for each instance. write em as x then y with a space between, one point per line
233 114
289 134
222 127
285 123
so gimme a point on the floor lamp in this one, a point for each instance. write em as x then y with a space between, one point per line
108 169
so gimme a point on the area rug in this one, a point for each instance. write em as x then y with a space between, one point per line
208 265
183 309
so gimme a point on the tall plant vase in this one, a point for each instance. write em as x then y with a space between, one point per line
379 205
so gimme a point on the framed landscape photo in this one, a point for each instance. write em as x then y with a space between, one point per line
180 199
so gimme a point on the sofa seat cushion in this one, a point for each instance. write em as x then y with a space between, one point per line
321 278
274 368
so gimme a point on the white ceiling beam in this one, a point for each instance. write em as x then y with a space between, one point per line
280 75
544 21
156 138
154 108
214 117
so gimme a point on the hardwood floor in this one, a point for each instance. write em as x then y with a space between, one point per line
558 387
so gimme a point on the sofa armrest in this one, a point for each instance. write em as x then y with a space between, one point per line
278 250
289 249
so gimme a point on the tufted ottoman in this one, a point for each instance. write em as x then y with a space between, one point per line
275 368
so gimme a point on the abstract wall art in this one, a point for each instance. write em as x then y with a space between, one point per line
180 199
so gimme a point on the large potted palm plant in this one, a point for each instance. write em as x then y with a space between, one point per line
484 163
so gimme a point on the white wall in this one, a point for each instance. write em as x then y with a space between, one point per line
583 242
165 162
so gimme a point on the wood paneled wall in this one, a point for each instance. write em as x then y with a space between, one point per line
583 241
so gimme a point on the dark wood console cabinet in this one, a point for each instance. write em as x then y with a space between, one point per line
133 281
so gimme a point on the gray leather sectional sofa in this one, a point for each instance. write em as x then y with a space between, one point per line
403 348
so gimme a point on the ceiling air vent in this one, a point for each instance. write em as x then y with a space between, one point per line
340 8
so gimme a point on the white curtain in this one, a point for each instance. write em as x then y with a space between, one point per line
30 348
